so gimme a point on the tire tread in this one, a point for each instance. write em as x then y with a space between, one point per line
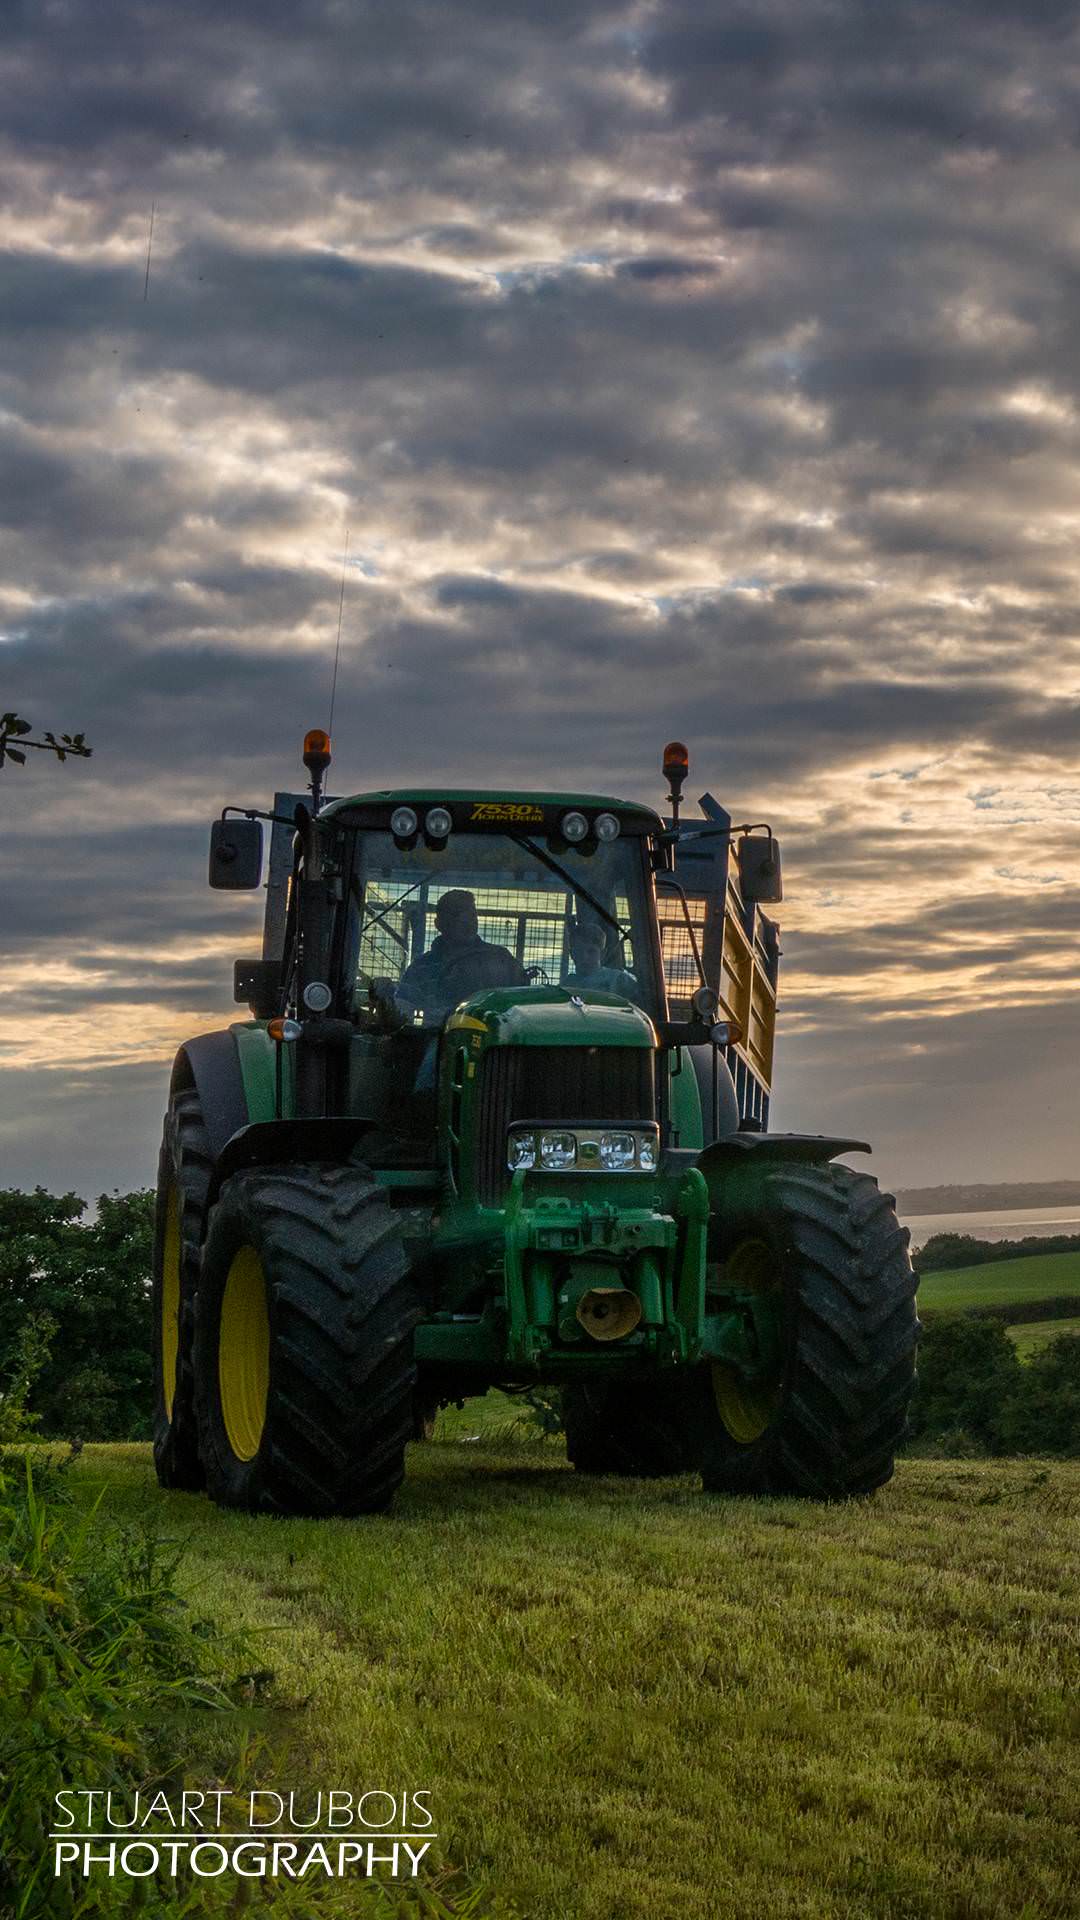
187 1162
343 1308
852 1334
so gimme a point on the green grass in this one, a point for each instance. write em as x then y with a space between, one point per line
1031 1335
1041 1276
491 1416
634 1702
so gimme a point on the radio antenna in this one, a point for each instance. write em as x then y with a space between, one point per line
337 649
149 244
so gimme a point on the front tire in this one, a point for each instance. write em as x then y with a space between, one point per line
824 1245
183 1181
304 1354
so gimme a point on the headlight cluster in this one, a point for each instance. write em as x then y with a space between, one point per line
575 827
405 823
584 1149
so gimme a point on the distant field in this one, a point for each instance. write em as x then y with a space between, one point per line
1000 1282
1032 1335
632 1701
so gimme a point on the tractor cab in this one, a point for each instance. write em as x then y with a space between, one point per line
462 895
435 895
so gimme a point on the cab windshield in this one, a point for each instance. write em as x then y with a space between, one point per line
431 927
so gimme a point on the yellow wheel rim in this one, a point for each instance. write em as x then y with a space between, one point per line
747 1408
244 1354
170 1299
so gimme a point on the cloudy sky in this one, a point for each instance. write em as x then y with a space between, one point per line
678 370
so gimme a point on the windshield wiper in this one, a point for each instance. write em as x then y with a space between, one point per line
556 866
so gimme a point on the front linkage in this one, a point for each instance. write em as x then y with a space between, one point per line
615 1279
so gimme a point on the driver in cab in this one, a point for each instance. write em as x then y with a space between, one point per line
458 962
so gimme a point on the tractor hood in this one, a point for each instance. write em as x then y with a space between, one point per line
553 1017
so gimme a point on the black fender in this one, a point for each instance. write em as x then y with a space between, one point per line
275 1143
807 1149
211 1064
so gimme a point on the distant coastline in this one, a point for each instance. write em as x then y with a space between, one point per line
985 1199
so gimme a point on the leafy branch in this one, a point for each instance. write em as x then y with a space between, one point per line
14 728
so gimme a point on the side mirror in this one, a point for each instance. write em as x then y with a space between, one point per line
236 850
760 880
257 984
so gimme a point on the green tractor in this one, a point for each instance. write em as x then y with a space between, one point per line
500 1119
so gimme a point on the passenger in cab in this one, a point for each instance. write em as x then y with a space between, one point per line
588 941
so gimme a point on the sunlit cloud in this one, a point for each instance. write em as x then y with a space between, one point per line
673 374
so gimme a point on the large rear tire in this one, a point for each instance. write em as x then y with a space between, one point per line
633 1427
183 1180
827 1244
304 1363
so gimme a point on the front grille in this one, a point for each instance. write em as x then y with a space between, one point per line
575 1086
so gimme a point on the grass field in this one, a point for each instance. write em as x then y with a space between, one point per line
634 1702
1040 1276
1032 1335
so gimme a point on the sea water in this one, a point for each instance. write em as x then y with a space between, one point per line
1005 1223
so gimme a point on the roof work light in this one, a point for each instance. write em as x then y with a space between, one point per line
316 760
676 766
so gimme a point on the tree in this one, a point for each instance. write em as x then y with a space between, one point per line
14 728
1043 1415
968 1369
93 1281
947 1250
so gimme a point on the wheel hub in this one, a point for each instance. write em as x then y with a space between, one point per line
244 1354
746 1386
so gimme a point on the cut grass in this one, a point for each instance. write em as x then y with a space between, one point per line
1032 1335
1040 1276
631 1701
489 1416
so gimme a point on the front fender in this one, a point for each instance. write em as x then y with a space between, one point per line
806 1149
275 1143
211 1064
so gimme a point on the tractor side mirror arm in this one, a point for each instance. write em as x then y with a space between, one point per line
694 1033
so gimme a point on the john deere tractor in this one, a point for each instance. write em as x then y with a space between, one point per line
500 1118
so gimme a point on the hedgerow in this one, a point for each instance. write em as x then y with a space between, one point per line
109 1680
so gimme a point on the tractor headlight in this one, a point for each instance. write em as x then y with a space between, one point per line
437 823
618 1149
606 828
403 823
521 1151
558 1150
584 1149
573 827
